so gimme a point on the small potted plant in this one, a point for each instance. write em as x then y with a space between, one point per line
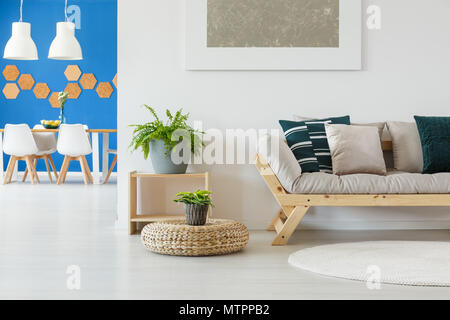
196 205
159 139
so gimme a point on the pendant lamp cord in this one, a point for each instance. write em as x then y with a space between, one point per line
21 5
65 12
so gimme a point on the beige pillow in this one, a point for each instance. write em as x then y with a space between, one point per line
406 146
355 149
379 125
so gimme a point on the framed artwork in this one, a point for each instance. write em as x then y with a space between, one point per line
273 35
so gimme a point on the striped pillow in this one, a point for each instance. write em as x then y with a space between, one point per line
308 141
298 140
318 136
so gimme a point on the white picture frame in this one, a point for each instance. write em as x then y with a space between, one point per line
346 57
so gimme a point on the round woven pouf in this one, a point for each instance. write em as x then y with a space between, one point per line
174 237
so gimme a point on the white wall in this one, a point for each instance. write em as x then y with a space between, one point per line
406 72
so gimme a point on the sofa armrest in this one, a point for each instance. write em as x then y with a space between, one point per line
274 150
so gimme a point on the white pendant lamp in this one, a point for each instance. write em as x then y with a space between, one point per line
65 46
20 46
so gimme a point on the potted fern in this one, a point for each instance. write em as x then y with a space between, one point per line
159 139
196 206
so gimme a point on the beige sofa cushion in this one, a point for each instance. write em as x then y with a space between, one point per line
406 146
395 182
355 149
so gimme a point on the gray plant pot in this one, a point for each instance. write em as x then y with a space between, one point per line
196 214
161 162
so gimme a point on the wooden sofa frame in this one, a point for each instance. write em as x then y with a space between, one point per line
295 206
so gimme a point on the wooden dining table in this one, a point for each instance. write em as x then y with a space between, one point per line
96 158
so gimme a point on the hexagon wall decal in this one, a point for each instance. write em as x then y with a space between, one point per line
26 82
72 73
11 73
41 90
88 81
11 91
104 90
54 100
73 89
115 80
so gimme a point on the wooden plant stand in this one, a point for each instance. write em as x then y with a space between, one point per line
134 218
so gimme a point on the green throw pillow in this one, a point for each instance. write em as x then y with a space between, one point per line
298 140
434 135
318 136
308 141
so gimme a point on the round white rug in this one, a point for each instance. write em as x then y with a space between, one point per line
415 263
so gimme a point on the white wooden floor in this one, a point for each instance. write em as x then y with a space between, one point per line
45 228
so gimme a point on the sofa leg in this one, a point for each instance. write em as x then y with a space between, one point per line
283 213
271 226
285 228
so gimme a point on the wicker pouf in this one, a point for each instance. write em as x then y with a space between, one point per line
174 237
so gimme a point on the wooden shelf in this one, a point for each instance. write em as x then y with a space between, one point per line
154 175
134 176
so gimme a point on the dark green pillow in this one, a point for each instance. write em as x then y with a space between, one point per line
318 136
308 141
434 135
297 138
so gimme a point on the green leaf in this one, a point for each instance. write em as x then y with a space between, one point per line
201 197
143 134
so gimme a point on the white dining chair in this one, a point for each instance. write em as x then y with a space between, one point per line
74 144
19 143
46 144
113 164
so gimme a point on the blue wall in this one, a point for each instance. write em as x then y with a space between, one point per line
98 39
